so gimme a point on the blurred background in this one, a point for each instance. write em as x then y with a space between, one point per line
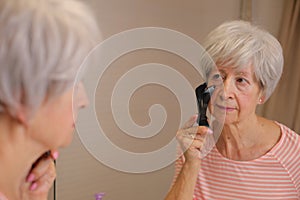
80 175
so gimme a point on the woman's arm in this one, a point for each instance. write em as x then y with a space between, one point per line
191 140
183 188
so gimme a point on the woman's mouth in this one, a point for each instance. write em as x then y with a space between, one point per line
226 108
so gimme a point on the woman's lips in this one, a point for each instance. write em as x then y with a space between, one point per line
226 108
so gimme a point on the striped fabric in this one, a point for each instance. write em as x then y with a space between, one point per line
276 175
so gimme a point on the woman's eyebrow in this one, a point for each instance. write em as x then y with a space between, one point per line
243 73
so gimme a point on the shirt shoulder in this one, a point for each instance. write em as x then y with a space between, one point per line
287 152
288 147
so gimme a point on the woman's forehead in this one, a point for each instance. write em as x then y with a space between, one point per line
242 70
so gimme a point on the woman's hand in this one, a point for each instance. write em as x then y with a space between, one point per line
191 139
40 179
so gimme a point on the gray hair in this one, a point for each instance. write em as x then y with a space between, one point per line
42 45
241 44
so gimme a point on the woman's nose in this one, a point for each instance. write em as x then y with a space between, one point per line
227 90
82 99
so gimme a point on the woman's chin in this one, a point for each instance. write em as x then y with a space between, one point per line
229 120
67 141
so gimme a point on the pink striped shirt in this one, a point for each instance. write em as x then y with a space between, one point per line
276 175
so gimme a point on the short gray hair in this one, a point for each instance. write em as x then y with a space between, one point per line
42 45
241 44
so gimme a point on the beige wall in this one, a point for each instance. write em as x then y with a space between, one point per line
80 175
267 13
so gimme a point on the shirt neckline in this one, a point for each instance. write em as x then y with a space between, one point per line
263 157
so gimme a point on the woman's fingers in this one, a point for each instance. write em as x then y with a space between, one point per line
41 177
195 132
43 173
43 184
192 138
203 130
190 122
41 166
39 169
188 132
2 197
54 154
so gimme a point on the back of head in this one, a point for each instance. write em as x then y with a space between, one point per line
241 44
42 44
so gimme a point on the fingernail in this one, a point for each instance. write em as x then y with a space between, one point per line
30 178
55 155
2 197
33 186
209 131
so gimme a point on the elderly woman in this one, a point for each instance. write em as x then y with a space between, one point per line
254 158
42 45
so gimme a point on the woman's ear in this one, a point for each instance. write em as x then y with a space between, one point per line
261 96
261 100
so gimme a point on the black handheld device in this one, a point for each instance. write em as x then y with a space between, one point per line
203 94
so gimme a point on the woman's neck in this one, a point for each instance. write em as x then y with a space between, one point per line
17 153
247 140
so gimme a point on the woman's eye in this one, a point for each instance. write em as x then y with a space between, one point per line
241 80
216 76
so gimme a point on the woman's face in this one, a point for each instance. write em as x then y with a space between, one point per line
53 124
236 95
